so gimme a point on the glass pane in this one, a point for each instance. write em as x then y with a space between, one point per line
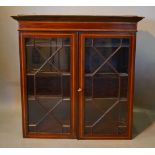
48 84
106 86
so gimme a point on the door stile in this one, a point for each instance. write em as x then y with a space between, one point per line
81 85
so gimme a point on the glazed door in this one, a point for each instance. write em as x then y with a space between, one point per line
104 79
48 65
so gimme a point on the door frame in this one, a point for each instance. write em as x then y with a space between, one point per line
131 66
73 66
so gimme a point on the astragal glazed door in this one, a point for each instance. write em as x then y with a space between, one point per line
104 77
49 84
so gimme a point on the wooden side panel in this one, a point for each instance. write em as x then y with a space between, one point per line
131 82
23 84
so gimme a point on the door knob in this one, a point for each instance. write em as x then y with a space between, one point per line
79 90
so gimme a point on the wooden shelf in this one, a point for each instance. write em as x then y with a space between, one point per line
48 73
32 97
68 74
122 99
40 45
115 74
63 125
108 46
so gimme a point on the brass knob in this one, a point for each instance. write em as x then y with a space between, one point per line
79 90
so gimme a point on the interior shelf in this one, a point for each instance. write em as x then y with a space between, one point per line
120 74
108 46
68 74
32 97
63 125
32 73
122 99
42 45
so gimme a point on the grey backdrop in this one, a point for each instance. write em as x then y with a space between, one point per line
145 55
